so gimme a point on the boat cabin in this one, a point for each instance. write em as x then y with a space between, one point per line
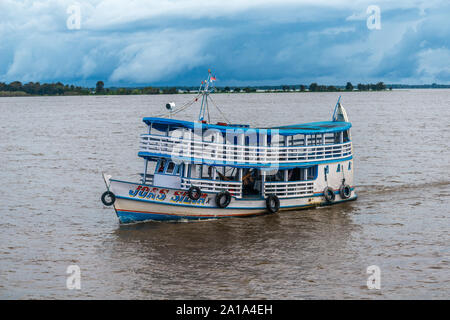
247 162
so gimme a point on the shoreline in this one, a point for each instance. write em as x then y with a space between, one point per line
19 89
24 95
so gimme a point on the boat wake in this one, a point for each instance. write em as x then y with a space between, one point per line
406 187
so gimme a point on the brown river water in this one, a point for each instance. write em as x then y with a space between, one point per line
53 150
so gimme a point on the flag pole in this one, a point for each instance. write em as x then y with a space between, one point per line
204 104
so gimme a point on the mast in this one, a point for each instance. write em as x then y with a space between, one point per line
205 90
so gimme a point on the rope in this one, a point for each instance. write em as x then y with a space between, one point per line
183 107
215 105
188 104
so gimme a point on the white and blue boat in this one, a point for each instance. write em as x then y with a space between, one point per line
199 170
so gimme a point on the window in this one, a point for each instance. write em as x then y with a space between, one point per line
278 176
311 173
276 140
170 168
346 136
328 138
227 173
207 172
298 140
178 169
302 174
195 171
161 166
337 137
295 174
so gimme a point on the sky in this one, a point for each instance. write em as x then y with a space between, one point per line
261 42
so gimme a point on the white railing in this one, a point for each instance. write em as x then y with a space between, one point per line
289 189
148 178
229 153
234 187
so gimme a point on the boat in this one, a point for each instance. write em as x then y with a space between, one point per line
195 170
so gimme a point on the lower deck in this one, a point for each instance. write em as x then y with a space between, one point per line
134 202
248 183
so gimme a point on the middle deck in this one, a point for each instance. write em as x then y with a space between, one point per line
245 147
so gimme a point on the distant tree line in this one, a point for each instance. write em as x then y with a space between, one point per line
36 88
371 87
235 89
16 88
314 87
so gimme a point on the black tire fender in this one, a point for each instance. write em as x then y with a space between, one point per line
223 194
328 194
272 203
345 191
111 196
194 193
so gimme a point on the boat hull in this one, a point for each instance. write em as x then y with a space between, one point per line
134 210
138 202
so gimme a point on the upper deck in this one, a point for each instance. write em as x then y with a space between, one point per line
243 146
164 124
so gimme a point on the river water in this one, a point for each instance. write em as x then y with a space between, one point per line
53 150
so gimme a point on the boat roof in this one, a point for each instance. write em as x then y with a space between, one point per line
289 130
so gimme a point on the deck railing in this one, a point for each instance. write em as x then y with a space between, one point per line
234 187
281 189
292 189
210 152
148 178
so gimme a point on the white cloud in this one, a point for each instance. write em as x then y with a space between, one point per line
357 16
89 65
434 64
333 31
107 13
160 56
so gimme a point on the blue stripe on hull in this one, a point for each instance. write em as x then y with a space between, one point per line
129 216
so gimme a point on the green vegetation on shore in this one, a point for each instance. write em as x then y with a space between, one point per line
17 89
